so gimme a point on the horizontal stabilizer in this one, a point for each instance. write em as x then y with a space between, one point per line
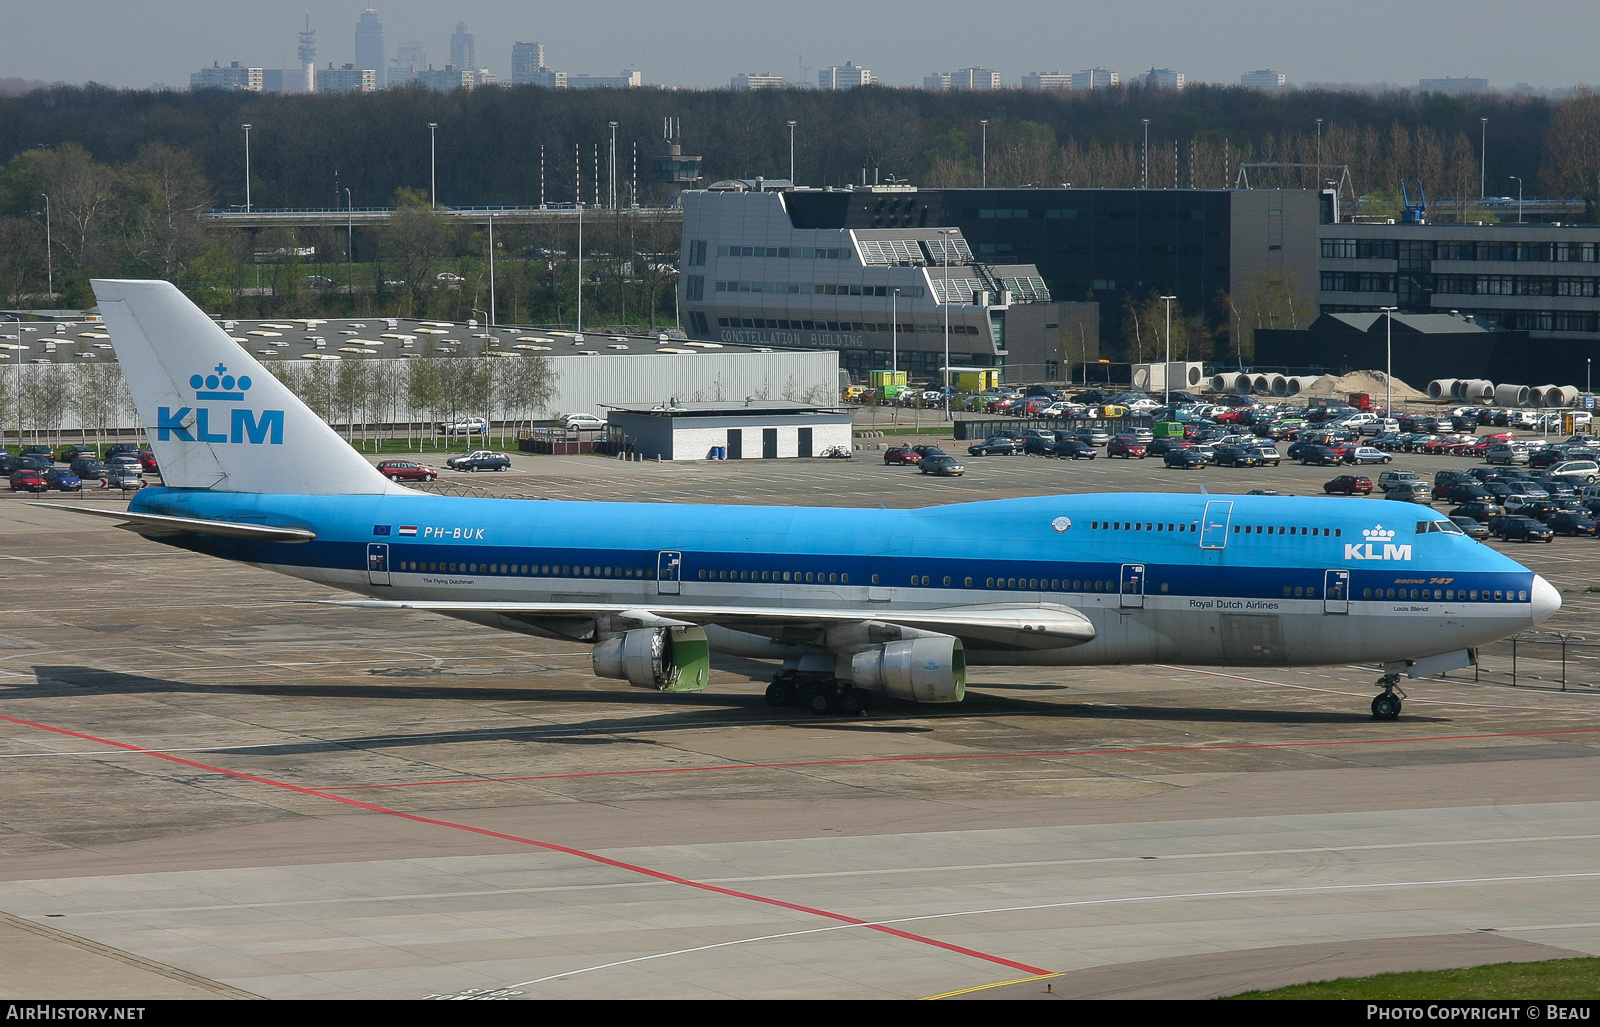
1011 626
163 526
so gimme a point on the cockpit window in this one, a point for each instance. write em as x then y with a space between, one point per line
1448 527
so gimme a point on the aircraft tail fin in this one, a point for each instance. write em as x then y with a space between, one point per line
215 416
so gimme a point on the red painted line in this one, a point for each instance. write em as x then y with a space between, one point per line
963 756
536 843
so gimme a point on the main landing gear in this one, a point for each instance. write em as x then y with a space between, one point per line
818 693
1386 705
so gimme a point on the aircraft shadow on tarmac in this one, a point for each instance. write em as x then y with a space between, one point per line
686 711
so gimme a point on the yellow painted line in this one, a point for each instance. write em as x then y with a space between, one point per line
986 987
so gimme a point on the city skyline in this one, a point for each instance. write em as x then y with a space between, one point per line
164 41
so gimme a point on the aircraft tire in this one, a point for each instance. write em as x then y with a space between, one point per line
1386 706
780 693
850 703
816 701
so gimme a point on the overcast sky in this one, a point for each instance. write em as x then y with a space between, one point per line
134 43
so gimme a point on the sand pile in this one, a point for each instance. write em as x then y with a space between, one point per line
1373 383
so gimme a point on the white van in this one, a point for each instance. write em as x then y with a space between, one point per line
1576 470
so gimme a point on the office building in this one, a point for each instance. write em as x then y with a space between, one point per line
1163 78
627 79
447 78
1046 80
764 80
527 65
1455 86
1541 280
1093 78
347 79
966 78
865 271
463 47
1264 79
369 47
231 77
847 77
410 59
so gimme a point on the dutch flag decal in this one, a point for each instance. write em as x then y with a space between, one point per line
408 529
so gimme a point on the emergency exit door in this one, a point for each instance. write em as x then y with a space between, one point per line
378 563
1133 584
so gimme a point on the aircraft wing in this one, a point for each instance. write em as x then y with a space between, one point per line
162 525
1000 625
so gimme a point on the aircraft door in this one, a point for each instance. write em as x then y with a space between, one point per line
1336 592
669 572
1214 524
378 563
1133 584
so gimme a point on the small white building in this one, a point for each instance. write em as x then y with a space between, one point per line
754 430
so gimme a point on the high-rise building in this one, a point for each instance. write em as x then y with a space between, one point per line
752 80
847 77
629 79
1264 79
409 61
369 46
348 79
463 47
1046 80
1163 78
231 77
1455 86
527 64
451 77
1093 78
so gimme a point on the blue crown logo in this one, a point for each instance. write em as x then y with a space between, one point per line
220 385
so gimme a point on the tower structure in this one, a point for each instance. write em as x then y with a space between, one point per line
369 46
308 55
464 48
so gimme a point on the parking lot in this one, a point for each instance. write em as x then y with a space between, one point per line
217 787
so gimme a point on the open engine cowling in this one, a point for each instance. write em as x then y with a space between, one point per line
919 669
666 659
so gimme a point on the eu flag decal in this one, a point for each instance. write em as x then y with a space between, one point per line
380 529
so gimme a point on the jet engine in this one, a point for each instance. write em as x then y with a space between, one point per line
930 669
666 659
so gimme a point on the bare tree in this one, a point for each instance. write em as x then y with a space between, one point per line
164 194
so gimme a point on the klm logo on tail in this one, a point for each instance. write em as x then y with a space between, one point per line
193 424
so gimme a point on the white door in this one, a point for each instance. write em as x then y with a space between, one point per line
669 572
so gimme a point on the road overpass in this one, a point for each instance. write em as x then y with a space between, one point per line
551 214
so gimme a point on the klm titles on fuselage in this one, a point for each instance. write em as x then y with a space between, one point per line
241 426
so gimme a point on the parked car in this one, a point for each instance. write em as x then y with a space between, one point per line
63 480
406 470
1410 492
1471 527
901 455
942 465
479 460
87 467
124 477
1185 457
29 480
1573 522
1269 456
1366 455
1586 471
42 452
1077 449
467 426
1479 511
1126 447
1349 485
1388 479
1523 529
997 445
1237 456
1323 456
583 422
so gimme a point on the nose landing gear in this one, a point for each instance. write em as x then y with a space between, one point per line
1386 705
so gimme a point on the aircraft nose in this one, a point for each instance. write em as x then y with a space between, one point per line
1546 599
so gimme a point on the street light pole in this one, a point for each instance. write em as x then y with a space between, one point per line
49 253
945 254
985 123
613 165
580 268
246 168
1388 349
1166 370
1483 157
1319 155
1145 183
349 242
791 153
894 337
1519 197
433 168
491 272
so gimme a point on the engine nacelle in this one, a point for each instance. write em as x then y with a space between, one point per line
919 669
666 659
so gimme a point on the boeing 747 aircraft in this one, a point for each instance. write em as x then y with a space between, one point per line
848 600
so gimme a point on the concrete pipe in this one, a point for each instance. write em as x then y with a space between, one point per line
1560 396
1141 377
1261 384
1278 385
1219 382
1476 390
1301 383
1442 388
1193 375
1241 383
1510 395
